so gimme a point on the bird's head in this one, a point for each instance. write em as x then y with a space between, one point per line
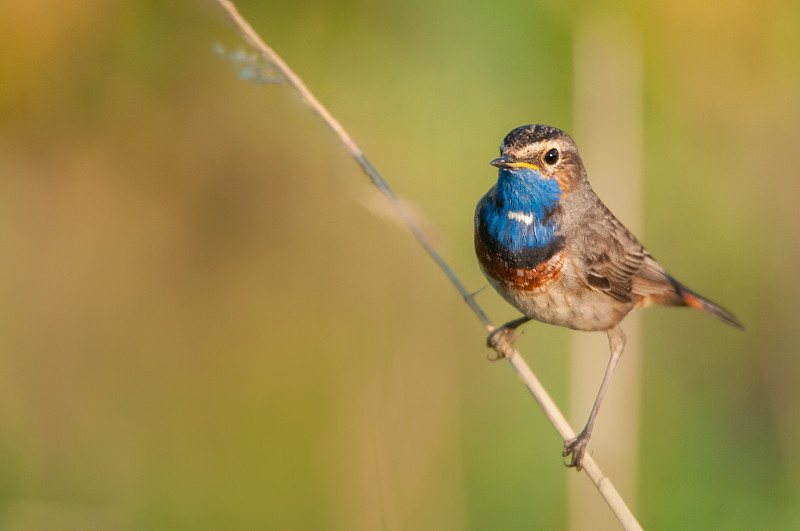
532 152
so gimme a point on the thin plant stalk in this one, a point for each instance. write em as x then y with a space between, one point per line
604 485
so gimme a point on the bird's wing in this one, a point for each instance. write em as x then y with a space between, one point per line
616 263
611 269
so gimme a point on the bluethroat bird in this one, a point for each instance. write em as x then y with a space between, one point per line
553 250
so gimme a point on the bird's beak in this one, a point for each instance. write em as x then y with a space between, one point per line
507 162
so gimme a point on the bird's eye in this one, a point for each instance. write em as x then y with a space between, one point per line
551 157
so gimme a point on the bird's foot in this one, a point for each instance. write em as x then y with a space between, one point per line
576 448
501 339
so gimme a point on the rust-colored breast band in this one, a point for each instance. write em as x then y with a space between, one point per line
536 280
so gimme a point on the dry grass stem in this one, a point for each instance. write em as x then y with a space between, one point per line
603 484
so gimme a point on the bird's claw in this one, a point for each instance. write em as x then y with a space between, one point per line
576 448
496 339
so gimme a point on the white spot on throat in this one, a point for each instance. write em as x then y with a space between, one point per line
522 217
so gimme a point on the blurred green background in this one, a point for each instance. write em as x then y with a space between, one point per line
205 324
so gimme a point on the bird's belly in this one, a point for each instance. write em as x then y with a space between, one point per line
561 305
550 294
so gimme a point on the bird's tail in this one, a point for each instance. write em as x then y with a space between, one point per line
687 297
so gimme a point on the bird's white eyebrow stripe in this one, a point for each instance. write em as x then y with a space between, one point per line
531 149
522 217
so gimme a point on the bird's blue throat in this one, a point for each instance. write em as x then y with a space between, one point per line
519 224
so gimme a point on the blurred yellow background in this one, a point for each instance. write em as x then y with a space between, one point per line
205 325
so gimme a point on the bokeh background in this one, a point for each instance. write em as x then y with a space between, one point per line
208 319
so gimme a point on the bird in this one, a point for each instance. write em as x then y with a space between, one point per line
550 247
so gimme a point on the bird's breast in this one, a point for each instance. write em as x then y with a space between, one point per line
519 273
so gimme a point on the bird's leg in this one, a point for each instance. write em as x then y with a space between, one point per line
577 446
505 332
